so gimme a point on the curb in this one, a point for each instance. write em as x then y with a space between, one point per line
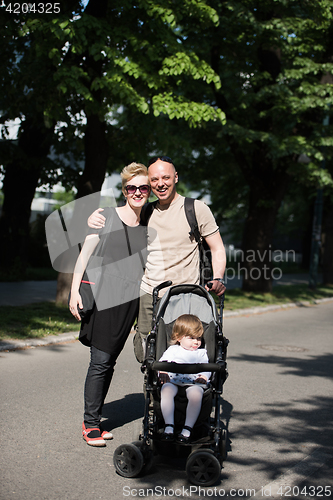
12 345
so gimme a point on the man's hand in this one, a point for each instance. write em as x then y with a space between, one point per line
164 377
216 287
96 220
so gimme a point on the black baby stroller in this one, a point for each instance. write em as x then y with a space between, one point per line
207 449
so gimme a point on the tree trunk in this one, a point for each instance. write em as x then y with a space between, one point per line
63 286
95 141
258 272
267 188
96 157
328 248
96 153
19 186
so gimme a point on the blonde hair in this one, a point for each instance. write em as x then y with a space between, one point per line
132 170
186 325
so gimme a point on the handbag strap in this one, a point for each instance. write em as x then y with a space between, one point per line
129 246
100 248
127 239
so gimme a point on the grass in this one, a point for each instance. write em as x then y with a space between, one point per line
45 318
35 321
282 294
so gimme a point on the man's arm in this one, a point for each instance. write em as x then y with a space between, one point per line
96 220
219 261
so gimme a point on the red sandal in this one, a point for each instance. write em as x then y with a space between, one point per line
92 436
106 434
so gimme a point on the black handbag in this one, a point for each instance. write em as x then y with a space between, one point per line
91 279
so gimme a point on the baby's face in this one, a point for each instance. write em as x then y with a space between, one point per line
190 343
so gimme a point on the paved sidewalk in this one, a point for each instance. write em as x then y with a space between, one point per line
28 292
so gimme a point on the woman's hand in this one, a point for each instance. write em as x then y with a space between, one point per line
96 220
74 302
164 377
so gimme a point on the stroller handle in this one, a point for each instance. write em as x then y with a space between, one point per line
161 286
187 367
155 298
221 298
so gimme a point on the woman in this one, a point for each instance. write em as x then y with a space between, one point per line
106 330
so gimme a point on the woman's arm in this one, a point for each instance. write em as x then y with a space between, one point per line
89 246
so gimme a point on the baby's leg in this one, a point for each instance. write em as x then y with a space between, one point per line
168 393
194 395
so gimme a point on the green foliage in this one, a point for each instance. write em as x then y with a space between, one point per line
276 96
275 66
84 61
35 321
131 67
63 197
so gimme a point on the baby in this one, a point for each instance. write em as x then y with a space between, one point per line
186 338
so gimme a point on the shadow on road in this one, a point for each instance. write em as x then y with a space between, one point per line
123 411
309 423
312 366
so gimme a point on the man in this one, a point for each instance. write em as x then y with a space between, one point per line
173 255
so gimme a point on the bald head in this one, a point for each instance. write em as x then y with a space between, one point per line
163 179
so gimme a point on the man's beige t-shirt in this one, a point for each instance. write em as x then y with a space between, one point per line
173 254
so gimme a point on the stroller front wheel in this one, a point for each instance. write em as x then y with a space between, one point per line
203 468
148 456
128 460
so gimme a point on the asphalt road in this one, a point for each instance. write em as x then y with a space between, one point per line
277 406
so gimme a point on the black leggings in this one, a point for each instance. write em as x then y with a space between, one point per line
97 384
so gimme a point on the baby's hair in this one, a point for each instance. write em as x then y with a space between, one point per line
186 325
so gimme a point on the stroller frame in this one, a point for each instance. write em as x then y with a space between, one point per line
206 453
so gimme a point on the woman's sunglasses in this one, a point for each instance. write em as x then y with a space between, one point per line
144 189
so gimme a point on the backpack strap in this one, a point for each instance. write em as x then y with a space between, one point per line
146 212
204 250
192 219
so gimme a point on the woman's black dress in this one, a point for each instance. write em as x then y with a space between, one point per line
117 303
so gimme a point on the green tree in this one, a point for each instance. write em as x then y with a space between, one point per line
275 64
26 85
112 54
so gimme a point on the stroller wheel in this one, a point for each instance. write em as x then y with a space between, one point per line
128 460
148 456
203 468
